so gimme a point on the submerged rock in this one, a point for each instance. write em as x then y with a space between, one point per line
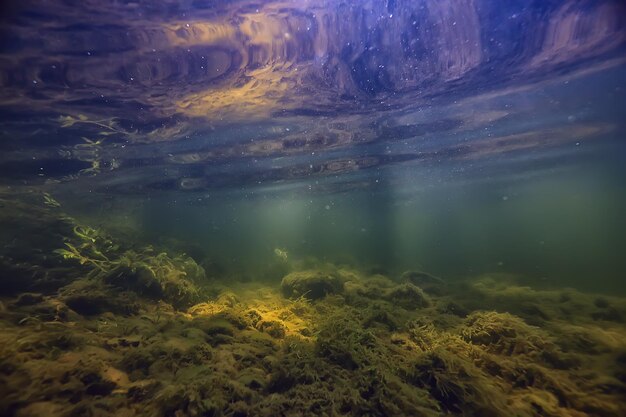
608 314
214 325
88 304
455 309
312 284
274 328
601 302
407 296
88 297
427 282
169 284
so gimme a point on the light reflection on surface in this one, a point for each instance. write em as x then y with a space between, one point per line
93 84
408 119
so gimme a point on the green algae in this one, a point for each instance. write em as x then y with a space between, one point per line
142 331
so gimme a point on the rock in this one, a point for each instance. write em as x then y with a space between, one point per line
89 298
429 283
214 325
172 287
382 317
88 304
608 314
372 287
407 296
601 302
273 328
454 309
312 284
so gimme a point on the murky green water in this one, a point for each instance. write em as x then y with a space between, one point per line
543 199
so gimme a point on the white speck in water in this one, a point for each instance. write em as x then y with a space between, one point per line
505 197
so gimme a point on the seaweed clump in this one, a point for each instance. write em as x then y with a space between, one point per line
346 344
457 384
503 333
145 271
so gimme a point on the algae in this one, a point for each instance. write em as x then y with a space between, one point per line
135 331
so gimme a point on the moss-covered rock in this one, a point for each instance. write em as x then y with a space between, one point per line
214 325
407 296
427 282
90 297
312 284
158 277
272 327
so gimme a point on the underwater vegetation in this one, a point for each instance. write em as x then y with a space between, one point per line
139 331
147 272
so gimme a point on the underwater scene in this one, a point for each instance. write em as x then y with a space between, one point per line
241 208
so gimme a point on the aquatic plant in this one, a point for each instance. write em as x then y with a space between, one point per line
89 248
50 201
281 254
458 385
345 344
111 338
109 124
503 333
172 278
